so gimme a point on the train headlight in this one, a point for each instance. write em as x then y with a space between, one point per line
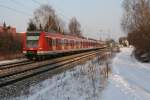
40 48
24 51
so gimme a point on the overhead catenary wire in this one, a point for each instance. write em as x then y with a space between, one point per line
47 1
36 2
15 10
25 13
18 3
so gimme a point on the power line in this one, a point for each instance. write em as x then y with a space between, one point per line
36 2
47 1
63 15
15 10
18 3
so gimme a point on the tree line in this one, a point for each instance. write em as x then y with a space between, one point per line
9 43
136 23
46 19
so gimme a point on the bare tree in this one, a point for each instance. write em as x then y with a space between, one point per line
31 26
46 19
75 27
136 22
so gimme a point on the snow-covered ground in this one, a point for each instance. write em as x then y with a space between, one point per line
80 83
129 80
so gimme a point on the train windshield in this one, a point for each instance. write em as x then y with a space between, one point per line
32 40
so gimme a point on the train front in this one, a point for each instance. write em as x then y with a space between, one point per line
31 44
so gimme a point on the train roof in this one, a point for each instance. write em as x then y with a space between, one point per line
65 36
58 35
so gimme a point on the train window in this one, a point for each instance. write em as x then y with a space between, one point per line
72 42
50 41
33 34
65 42
53 42
58 42
68 42
62 42
32 41
32 37
76 42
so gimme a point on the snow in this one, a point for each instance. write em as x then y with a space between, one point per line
129 80
80 83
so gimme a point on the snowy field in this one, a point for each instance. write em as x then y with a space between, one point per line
128 80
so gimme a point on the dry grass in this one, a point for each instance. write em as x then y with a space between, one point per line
10 56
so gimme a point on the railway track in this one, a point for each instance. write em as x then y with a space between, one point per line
5 64
15 64
13 74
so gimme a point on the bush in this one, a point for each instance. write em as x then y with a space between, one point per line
9 44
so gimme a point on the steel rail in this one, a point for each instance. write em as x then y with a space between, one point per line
38 69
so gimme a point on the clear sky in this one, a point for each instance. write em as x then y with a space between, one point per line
98 18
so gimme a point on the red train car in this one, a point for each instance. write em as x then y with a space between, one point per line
37 45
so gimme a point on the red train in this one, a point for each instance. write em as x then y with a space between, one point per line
38 45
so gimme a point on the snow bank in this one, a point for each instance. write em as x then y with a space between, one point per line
129 80
80 83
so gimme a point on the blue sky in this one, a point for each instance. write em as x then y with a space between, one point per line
98 18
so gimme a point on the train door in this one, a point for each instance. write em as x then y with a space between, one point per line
88 44
53 44
81 46
49 43
85 44
62 44
58 44
69 44
78 44
65 44
75 44
72 44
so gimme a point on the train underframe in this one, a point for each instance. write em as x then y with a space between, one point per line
34 55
